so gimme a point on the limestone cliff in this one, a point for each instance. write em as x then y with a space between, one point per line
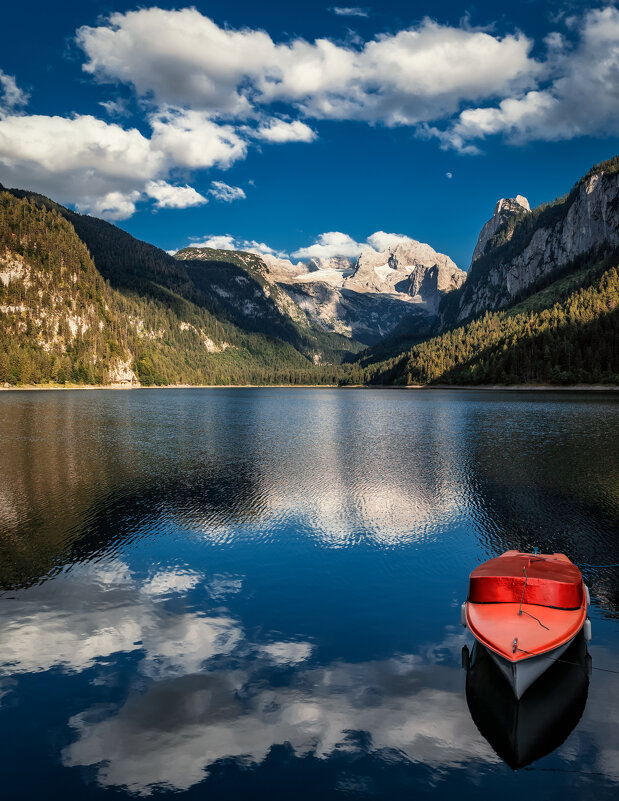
527 248
363 299
505 208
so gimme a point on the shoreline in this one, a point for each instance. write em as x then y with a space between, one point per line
469 387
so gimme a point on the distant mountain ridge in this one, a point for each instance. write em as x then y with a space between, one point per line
364 299
82 301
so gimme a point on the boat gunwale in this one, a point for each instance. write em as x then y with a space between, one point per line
522 655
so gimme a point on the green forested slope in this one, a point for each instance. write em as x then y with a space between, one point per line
62 321
566 333
132 265
240 283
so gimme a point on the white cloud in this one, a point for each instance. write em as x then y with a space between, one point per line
224 192
280 131
182 58
218 241
382 240
582 99
105 169
64 143
206 90
99 166
229 242
349 12
261 247
335 243
329 244
111 206
192 139
416 76
116 108
174 197
12 97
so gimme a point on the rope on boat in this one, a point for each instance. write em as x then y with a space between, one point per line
521 611
564 661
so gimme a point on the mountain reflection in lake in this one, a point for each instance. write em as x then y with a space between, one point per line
255 593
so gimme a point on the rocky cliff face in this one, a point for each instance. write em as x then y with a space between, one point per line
522 254
409 268
368 298
364 298
506 208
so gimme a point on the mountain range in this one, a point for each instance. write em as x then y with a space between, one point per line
83 302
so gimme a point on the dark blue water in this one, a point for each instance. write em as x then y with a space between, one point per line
255 594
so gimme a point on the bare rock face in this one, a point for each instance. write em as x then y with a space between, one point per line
364 298
282 269
587 221
121 372
341 264
505 208
409 268
369 298
332 270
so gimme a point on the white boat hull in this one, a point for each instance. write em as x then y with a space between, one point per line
520 675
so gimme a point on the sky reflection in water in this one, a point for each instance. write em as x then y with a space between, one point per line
245 592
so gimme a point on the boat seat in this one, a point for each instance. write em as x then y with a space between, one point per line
550 580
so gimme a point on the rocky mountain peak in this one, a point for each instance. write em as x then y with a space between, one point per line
365 297
511 205
343 264
505 208
405 268
582 223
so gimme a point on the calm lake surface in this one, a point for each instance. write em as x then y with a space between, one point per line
255 593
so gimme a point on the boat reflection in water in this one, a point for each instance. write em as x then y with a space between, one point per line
526 729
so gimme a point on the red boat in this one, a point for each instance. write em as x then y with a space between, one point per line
526 609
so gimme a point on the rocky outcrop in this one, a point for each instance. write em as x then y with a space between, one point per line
370 297
409 268
364 298
338 264
506 208
546 241
364 316
121 372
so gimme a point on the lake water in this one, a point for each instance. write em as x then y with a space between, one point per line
255 593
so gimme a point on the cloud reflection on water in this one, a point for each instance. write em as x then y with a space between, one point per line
205 691
209 479
190 716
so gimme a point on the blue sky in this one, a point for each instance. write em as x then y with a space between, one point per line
297 125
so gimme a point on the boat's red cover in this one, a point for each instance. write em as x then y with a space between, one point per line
550 581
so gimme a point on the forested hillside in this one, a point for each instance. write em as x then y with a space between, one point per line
567 333
83 302
240 283
62 321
